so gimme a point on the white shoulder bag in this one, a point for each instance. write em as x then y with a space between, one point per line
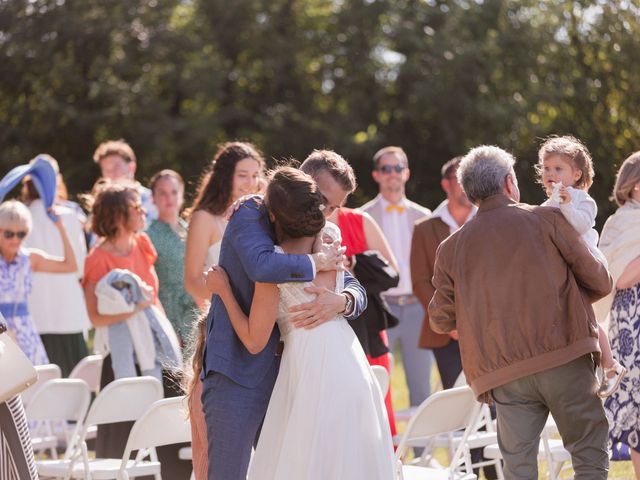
16 370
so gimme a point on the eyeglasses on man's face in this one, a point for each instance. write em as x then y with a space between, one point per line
398 168
9 234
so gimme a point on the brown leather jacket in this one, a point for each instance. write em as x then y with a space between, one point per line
428 234
517 282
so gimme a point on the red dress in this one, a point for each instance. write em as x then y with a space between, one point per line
351 227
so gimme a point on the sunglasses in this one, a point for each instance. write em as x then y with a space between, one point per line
9 234
399 168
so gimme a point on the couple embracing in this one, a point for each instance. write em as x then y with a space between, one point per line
323 413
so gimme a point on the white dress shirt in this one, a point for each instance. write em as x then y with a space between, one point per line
398 230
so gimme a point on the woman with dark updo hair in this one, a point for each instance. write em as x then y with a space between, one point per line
325 400
235 171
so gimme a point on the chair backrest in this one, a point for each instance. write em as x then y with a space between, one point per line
442 412
47 372
124 400
382 377
89 369
164 423
61 399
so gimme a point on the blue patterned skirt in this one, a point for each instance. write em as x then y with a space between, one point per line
623 407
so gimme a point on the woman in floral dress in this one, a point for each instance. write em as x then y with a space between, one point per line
168 234
620 242
16 265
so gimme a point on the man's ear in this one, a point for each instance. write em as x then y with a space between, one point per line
375 174
445 183
511 188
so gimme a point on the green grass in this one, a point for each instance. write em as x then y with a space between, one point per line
617 470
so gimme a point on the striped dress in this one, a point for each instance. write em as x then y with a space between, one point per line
16 453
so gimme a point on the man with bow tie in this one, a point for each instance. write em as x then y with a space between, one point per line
396 216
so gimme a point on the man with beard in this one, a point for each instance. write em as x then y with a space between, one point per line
448 217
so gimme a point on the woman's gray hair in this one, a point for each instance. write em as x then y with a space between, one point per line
14 214
482 172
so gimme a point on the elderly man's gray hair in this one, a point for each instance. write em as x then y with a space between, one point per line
483 170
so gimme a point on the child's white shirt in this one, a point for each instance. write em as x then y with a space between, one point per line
581 213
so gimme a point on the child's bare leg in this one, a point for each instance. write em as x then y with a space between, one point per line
605 348
613 372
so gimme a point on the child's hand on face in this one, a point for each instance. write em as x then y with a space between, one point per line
217 280
565 196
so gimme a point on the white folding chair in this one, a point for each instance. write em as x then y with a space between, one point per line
54 404
382 377
89 369
443 412
482 434
47 372
165 423
123 400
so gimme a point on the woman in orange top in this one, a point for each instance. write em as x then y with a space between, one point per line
118 218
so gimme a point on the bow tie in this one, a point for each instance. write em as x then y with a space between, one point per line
391 207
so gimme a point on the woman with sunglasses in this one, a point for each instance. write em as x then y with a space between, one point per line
16 266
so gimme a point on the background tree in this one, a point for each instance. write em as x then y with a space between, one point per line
176 77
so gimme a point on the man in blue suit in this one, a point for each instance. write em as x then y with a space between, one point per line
236 384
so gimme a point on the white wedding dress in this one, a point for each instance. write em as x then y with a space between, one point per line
326 418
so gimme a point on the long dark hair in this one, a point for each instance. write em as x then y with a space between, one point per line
216 185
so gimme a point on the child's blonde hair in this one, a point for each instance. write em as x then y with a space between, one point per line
626 180
15 214
574 151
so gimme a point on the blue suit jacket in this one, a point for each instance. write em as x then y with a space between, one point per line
248 256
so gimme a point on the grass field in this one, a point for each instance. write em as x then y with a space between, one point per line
618 470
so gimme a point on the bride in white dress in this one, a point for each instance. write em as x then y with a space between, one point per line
326 417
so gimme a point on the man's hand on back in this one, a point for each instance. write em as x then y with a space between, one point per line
323 308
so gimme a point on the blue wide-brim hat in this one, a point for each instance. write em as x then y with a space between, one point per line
44 178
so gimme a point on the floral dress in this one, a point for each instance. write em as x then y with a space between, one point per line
178 305
623 406
15 286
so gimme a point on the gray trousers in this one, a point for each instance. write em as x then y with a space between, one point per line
417 362
569 393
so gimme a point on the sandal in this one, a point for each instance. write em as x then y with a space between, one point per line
611 384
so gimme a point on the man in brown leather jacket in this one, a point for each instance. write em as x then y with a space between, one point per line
517 283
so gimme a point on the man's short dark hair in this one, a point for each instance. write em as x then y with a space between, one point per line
450 167
329 161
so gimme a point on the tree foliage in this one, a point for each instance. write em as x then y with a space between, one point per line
176 77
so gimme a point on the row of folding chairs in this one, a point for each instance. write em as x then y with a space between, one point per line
158 422
48 436
453 419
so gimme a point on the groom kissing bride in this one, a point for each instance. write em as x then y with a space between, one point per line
325 417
